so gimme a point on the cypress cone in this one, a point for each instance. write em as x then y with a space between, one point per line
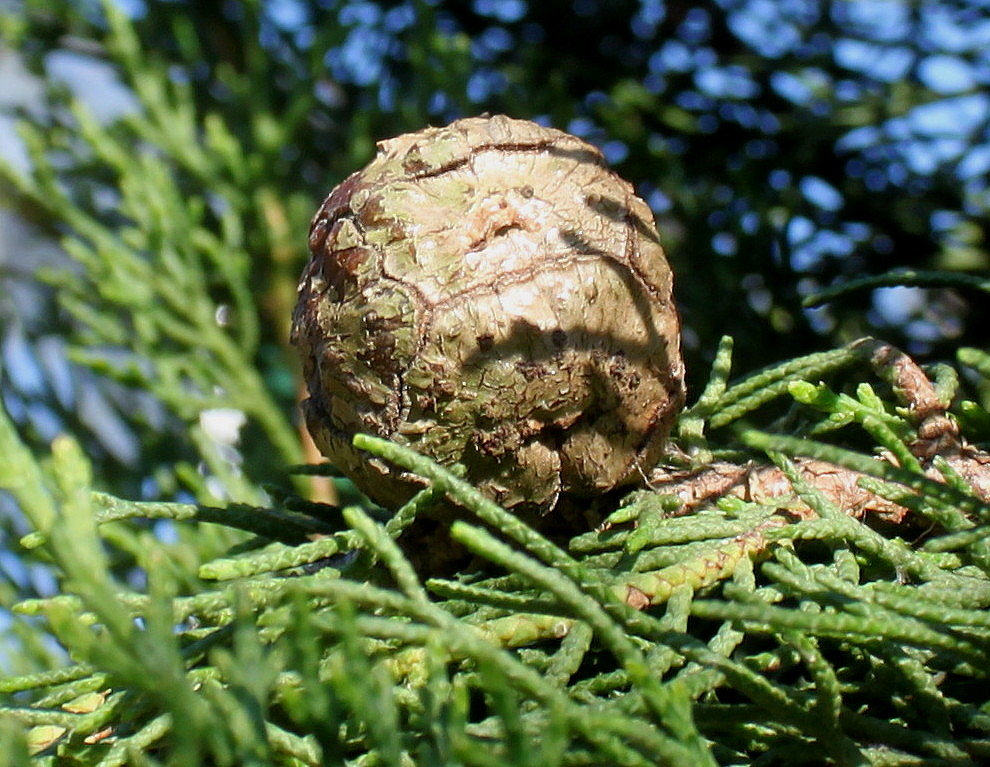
490 294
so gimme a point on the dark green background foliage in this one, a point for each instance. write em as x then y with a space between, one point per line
785 146
727 116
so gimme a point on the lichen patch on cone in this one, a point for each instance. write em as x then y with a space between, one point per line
492 295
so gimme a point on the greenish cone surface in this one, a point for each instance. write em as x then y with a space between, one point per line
490 293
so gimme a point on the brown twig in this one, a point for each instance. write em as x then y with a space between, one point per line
937 438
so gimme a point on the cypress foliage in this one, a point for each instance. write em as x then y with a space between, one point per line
259 611
761 631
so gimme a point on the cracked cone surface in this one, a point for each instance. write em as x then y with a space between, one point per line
490 294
